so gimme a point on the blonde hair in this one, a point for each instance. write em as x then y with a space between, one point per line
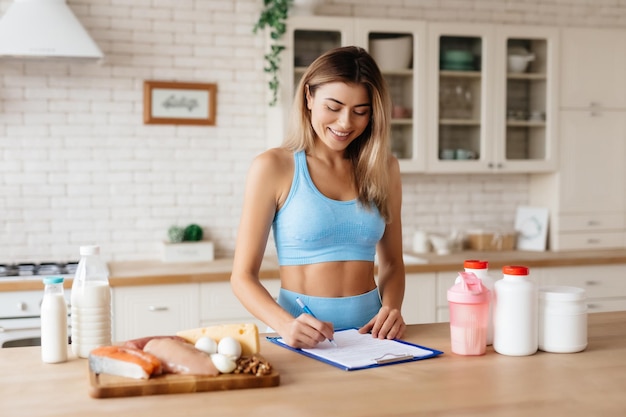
370 152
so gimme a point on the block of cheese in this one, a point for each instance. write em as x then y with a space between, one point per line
247 334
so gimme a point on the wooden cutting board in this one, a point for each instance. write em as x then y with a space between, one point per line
110 386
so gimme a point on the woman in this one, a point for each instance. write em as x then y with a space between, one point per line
332 194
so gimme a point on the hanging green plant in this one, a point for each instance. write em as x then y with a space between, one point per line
274 16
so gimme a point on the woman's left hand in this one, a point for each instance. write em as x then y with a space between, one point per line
387 324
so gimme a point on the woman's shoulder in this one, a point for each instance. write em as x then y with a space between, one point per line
275 156
273 161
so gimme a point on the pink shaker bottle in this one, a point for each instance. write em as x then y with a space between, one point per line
469 300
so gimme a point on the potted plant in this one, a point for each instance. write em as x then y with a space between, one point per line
273 16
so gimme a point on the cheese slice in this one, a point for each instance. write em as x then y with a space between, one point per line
247 334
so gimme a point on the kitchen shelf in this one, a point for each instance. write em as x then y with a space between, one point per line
526 76
459 122
402 121
525 123
460 74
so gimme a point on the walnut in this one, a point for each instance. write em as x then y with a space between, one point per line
253 365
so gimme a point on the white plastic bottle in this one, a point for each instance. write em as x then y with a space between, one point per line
515 314
91 303
53 321
481 270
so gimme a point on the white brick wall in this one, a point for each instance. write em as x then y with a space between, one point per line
77 165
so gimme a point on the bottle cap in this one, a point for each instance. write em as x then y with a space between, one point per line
475 264
52 280
515 270
89 250
469 290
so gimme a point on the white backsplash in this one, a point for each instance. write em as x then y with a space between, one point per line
77 164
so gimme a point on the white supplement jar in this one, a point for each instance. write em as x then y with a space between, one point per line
515 313
562 319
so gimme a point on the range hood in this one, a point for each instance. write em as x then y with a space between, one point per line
44 29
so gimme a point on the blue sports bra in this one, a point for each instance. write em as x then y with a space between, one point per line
311 228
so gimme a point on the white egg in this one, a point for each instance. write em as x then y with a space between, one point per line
206 345
230 347
223 363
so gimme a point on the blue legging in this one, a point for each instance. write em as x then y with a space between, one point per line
343 312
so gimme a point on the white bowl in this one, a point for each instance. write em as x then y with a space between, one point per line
519 63
392 53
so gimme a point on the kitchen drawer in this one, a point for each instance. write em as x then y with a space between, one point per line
591 222
604 305
598 281
219 304
154 310
418 305
590 240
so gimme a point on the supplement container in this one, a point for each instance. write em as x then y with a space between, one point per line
468 300
562 319
53 321
515 313
481 270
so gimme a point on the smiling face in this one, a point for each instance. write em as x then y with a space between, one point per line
340 112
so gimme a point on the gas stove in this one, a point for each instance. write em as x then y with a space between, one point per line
37 270
20 311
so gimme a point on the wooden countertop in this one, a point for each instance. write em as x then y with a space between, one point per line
155 272
589 383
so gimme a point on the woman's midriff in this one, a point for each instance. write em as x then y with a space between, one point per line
329 279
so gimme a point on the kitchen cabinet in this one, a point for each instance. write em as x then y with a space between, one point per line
604 285
484 116
593 64
586 198
418 305
445 280
154 310
308 37
219 305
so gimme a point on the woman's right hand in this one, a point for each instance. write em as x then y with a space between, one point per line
306 331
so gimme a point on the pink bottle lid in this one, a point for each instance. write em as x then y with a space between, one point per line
469 290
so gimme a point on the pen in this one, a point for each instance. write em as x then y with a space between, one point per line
307 310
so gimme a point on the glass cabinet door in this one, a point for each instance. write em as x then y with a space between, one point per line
308 44
393 53
397 46
526 111
460 123
306 38
460 86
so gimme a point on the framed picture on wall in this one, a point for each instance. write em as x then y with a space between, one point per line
167 102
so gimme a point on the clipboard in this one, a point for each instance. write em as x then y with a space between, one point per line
356 351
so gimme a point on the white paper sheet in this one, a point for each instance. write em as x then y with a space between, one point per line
356 350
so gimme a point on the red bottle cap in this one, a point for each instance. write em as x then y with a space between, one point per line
515 270
475 264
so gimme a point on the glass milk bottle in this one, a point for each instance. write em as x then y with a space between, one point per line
53 321
481 270
91 303
515 313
